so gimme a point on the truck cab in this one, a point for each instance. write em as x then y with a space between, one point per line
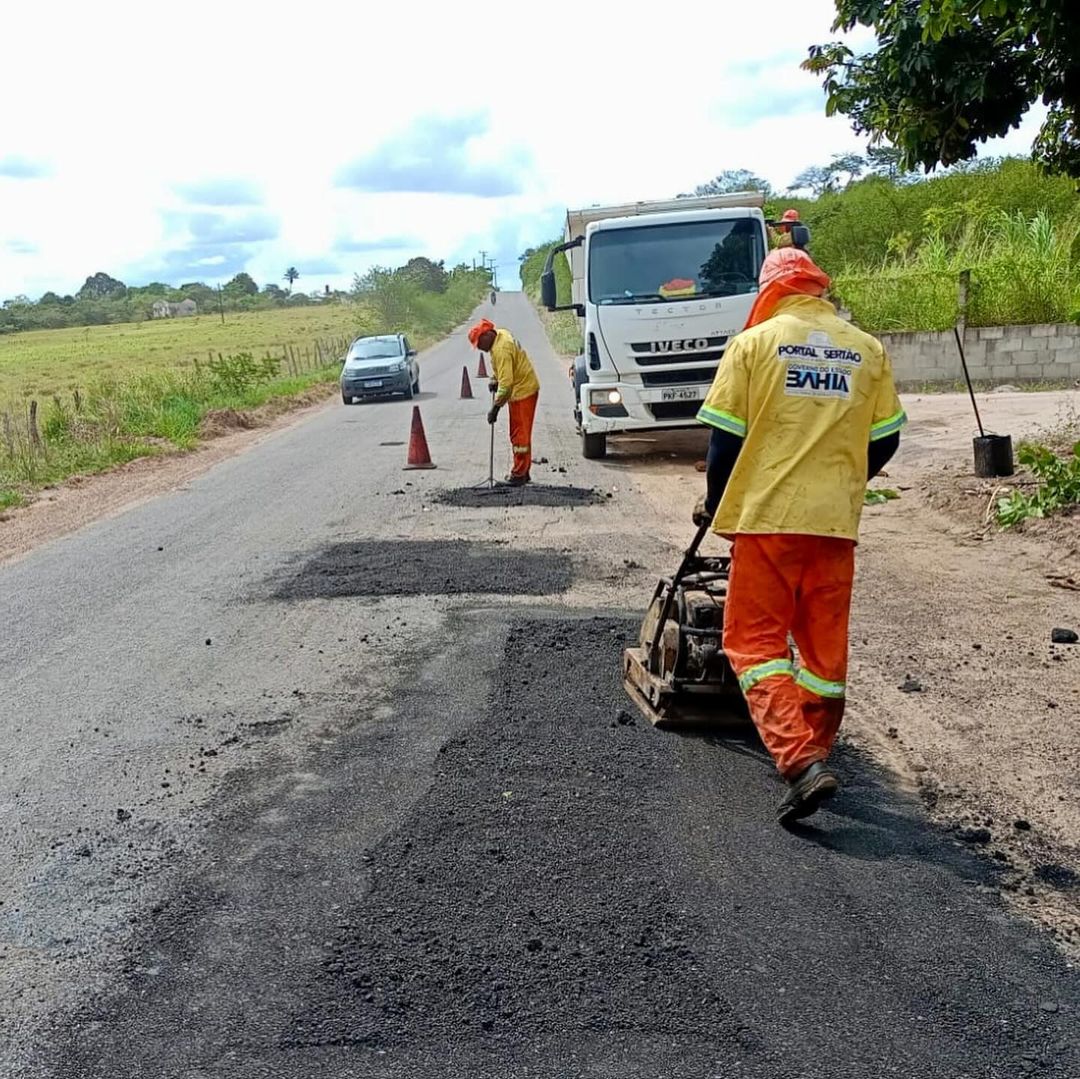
660 288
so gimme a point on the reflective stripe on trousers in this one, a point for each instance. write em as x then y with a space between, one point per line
800 586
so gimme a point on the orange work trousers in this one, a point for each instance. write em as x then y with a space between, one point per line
797 585
522 414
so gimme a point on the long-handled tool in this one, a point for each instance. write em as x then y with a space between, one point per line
678 674
485 486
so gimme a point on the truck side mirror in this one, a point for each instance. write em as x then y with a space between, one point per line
800 237
547 289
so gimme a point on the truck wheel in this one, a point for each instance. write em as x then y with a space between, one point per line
409 393
593 447
346 399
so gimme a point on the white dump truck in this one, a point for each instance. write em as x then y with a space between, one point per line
659 288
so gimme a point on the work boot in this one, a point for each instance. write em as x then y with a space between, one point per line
806 792
517 481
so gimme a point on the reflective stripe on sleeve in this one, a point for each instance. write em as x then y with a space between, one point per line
884 428
820 686
723 421
750 678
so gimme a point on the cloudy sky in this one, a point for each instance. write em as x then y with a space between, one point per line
192 142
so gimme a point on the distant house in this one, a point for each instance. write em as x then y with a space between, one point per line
164 309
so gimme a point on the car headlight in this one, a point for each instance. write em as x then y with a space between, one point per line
399 366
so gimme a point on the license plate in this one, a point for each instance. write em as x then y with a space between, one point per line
681 393
373 384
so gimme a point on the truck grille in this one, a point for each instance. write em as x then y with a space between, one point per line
676 378
674 410
656 359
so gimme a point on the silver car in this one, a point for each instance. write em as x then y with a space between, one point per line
379 366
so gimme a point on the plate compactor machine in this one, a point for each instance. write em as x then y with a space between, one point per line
678 675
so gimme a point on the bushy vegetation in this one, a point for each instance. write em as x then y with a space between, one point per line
896 246
1057 489
563 327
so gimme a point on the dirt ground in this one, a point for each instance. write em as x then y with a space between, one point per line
955 684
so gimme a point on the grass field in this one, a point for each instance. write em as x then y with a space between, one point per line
47 362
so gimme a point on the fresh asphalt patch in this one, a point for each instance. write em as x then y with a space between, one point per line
427 568
533 494
563 891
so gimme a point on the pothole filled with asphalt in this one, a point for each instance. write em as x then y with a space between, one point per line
534 494
427 568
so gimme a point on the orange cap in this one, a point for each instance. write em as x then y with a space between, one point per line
787 271
478 331
790 215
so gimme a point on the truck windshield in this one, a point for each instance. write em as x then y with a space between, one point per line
668 263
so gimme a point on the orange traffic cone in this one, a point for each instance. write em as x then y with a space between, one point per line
481 370
466 386
419 454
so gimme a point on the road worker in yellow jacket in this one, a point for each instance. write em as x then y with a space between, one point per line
804 410
514 382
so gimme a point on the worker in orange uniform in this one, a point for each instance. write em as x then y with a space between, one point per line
514 381
783 228
804 411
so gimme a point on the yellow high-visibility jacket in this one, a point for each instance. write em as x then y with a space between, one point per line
512 367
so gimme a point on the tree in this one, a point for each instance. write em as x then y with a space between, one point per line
275 293
50 299
732 180
817 179
290 275
101 287
427 275
949 74
242 285
887 161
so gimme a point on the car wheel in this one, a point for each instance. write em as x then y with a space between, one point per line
409 393
416 385
346 399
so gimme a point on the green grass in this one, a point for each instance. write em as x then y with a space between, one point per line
46 362
1023 271
563 327
10 499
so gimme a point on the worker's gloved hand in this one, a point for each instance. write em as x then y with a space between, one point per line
702 516
493 385
493 413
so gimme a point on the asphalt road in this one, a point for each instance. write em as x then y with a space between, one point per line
312 769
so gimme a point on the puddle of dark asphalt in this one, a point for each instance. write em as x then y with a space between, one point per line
427 568
535 494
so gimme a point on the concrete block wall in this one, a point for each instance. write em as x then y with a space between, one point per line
994 354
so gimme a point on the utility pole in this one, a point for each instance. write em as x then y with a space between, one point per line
221 305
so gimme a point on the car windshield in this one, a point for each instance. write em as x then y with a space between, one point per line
376 348
667 263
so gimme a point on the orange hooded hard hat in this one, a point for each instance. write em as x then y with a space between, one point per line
787 271
478 331
790 215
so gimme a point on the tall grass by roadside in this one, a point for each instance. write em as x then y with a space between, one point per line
1023 270
563 327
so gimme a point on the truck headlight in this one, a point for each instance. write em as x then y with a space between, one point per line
605 397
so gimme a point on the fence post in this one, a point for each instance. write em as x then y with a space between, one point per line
35 434
963 289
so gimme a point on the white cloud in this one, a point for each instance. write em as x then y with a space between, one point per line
229 108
